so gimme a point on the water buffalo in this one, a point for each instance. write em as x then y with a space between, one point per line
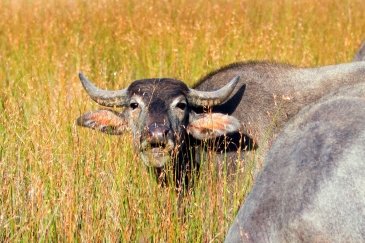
312 187
168 119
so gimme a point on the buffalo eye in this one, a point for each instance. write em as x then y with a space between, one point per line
133 105
181 105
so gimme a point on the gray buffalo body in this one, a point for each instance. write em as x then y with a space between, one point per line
312 186
272 93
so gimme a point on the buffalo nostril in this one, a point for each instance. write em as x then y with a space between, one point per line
157 134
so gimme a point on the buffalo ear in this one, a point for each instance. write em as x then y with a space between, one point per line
106 121
212 125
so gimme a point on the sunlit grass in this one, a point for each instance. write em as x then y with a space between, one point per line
62 182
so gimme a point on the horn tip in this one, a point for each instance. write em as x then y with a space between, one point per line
236 79
81 75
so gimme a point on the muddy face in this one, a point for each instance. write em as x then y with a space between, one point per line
157 115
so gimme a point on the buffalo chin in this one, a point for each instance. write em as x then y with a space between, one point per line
155 158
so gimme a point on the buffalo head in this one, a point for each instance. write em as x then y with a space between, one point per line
159 112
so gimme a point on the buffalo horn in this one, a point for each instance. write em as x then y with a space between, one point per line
212 98
104 97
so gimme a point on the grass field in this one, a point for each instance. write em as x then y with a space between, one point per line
62 182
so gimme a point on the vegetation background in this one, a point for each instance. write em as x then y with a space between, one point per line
61 182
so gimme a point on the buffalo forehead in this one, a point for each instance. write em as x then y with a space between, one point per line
157 105
158 89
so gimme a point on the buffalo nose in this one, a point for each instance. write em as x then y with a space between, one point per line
157 133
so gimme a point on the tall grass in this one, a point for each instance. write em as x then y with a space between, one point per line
62 182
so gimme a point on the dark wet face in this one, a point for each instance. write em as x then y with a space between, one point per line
158 115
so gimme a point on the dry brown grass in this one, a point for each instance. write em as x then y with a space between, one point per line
61 182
